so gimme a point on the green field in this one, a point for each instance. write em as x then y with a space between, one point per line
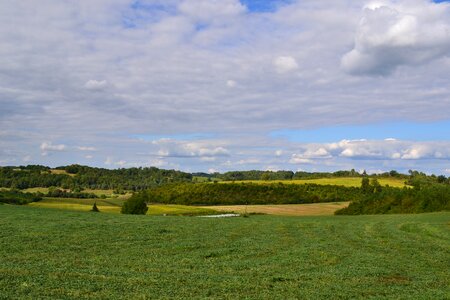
344 181
59 254
114 206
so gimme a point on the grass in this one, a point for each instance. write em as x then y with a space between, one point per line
314 209
344 181
74 255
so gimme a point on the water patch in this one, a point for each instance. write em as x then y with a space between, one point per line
221 216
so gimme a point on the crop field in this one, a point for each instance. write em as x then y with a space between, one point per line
114 206
49 253
344 181
314 209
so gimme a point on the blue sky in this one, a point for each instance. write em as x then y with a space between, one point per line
202 85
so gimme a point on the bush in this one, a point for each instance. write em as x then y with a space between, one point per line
95 208
136 205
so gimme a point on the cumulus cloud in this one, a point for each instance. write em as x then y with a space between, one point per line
176 148
285 64
391 34
95 85
47 147
390 149
299 159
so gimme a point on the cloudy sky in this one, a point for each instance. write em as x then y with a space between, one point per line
217 85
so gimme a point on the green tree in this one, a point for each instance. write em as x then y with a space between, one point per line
376 186
136 205
365 185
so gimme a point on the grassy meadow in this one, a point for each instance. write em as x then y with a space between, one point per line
343 181
114 205
47 253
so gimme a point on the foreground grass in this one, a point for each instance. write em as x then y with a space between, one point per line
344 181
73 255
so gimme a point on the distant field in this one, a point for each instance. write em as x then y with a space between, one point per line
315 209
56 254
59 172
43 190
344 181
107 193
114 206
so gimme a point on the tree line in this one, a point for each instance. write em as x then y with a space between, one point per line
85 177
247 193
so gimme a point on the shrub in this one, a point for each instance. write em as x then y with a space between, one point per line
95 208
136 205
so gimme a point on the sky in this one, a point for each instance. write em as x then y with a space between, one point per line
219 85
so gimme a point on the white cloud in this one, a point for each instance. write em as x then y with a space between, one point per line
377 149
89 157
285 64
95 85
299 159
176 148
397 33
47 147
212 170
85 148
231 83
278 153
211 10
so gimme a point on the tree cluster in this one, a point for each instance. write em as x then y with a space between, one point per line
424 197
17 197
247 193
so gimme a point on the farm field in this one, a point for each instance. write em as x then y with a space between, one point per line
114 206
344 181
314 209
77 255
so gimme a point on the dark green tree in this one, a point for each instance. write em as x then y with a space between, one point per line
376 186
95 208
365 185
136 205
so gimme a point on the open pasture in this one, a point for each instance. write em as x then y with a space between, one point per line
114 206
313 209
344 181
59 254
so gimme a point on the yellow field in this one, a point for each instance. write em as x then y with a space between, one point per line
114 206
63 172
344 181
75 206
36 189
314 209
107 193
